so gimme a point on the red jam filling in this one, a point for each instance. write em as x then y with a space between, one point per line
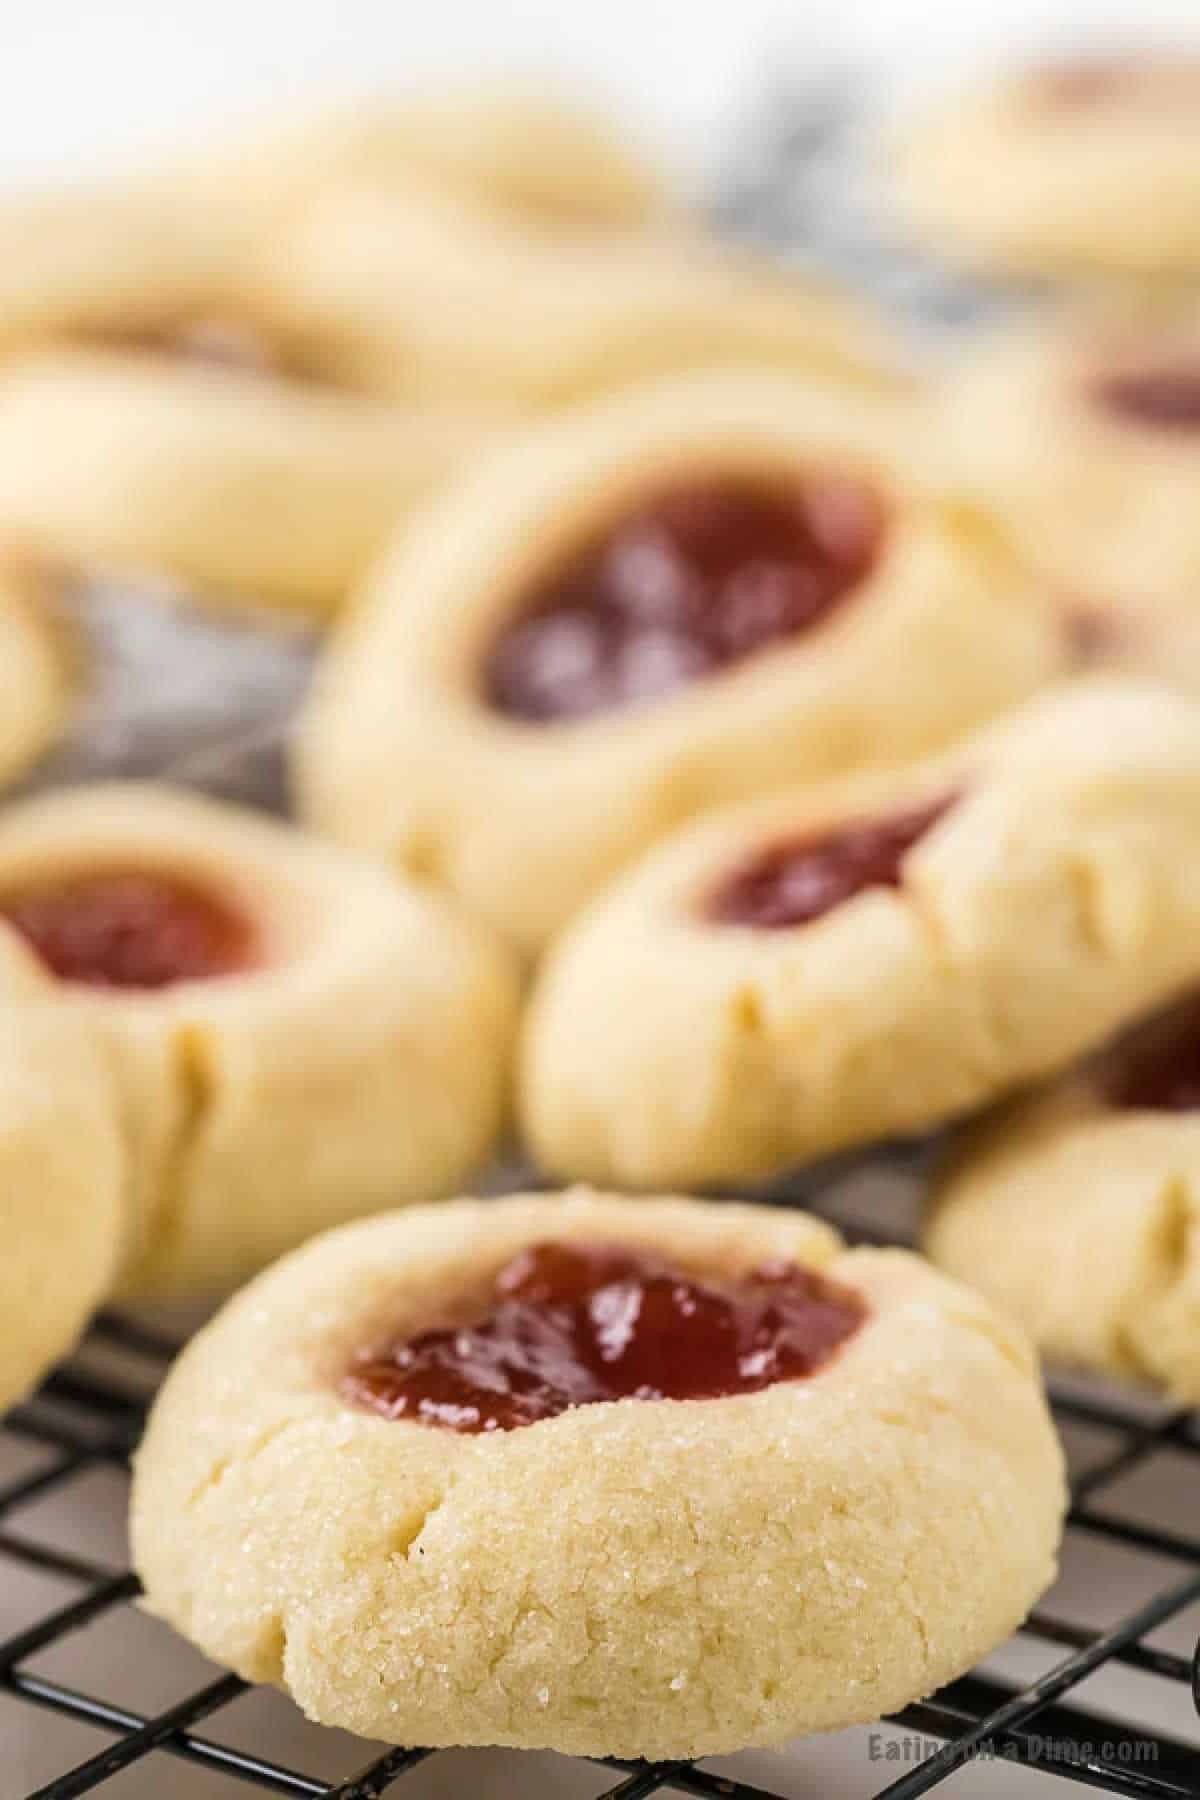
1156 1066
700 577
571 1325
794 883
1162 399
129 928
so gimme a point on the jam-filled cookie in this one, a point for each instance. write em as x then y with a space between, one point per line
240 481
1068 165
820 970
415 295
62 1178
689 594
1077 1208
297 1036
1084 434
607 1477
525 156
36 676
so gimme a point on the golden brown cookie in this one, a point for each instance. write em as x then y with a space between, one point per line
678 1574
824 969
415 295
1077 1208
62 1178
1078 164
296 1036
242 484
692 593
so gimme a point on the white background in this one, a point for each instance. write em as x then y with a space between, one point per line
88 81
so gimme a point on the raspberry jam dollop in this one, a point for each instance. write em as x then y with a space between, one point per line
129 928
794 883
1156 1065
700 577
568 1325
1159 399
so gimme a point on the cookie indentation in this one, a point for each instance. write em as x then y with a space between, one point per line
698 578
570 1325
1156 1066
795 882
129 928
1166 398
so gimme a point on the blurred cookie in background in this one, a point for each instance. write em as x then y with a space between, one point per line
123 255
695 591
418 295
1081 431
239 478
1082 165
1077 1208
514 151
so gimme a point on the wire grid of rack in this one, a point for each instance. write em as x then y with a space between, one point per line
791 191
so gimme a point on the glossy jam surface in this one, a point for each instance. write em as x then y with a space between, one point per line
790 884
1156 1066
700 577
1163 399
568 1325
129 928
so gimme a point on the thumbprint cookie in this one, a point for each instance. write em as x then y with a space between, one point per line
610 1477
683 596
531 158
296 1036
239 478
414 295
827 968
1065 166
1084 435
1077 1207
62 1177
117 256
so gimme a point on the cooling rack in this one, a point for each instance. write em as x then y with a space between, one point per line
792 187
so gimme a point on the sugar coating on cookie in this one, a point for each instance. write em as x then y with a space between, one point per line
1090 163
834 966
638 1576
1083 432
62 1177
297 1037
1077 1208
690 594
